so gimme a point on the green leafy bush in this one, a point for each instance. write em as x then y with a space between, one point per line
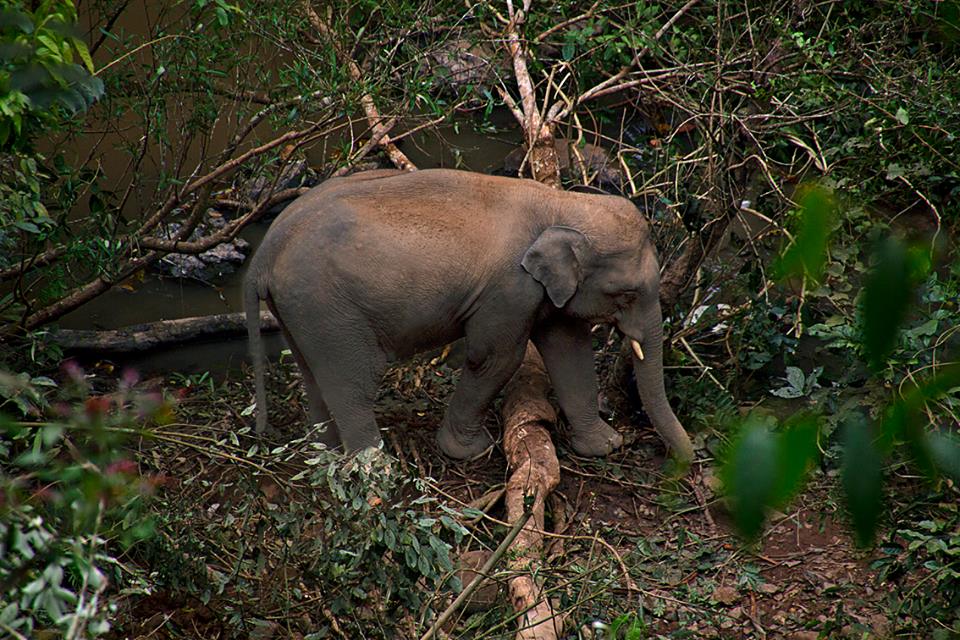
45 68
70 499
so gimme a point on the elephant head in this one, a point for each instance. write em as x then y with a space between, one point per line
605 270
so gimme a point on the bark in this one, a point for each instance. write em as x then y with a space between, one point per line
528 417
150 335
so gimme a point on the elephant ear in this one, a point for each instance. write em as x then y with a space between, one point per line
554 260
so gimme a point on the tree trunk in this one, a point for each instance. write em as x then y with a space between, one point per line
528 417
150 335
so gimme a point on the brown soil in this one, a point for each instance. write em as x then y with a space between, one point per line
633 539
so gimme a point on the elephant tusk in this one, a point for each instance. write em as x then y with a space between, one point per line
637 350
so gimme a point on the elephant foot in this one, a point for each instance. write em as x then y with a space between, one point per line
461 447
597 440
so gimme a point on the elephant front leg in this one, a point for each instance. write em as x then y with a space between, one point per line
488 368
567 353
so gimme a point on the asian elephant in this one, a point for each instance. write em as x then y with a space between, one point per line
384 264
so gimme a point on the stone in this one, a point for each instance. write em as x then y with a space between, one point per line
726 595
208 265
487 594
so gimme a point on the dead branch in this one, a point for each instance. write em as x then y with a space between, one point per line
103 283
539 134
604 87
377 125
482 575
225 234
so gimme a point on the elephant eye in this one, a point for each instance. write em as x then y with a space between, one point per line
626 297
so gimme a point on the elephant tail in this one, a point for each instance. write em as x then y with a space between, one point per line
251 307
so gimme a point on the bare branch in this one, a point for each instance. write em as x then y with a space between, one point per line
399 159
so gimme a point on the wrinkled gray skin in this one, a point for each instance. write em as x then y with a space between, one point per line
384 264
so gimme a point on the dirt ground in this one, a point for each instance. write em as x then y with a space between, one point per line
629 539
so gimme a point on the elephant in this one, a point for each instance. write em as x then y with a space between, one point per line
378 266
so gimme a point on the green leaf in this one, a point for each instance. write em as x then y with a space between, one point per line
795 377
861 476
887 294
807 255
749 475
84 53
17 19
52 46
902 116
797 451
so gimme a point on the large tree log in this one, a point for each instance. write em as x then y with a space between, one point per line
527 413
528 417
150 335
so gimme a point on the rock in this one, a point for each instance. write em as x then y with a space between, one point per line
205 266
574 159
725 595
459 63
488 593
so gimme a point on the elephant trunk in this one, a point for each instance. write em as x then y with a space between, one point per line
646 338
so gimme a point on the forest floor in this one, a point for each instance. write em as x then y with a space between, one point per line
634 544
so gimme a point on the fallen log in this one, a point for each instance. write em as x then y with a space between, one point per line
528 417
150 335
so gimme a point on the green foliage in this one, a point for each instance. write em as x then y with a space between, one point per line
929 550
377 548
764 468
68 493
807 255
888 293
629 626
352 532
755 483
862 477
45 69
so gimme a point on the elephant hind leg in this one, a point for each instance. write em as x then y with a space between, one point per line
317 410
346 364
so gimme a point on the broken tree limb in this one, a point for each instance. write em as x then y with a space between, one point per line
150 335
378 125
528 417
